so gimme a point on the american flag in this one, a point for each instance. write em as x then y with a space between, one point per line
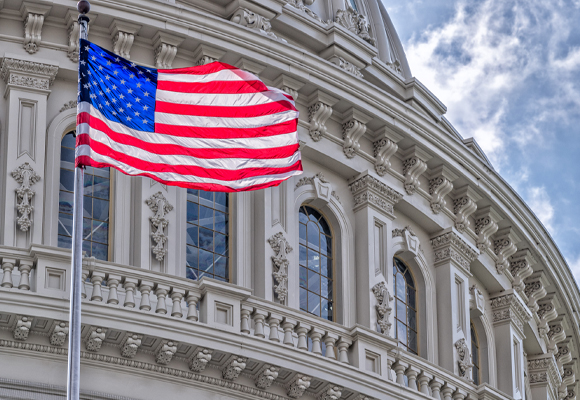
212 127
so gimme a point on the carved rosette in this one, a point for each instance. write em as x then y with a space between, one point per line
450 247
503 247
383 307
509 308
369 191
463 358
27 74
255 21
356 23
26 177
298 385
160 207
384 149
266 376
280 260
200 359
233 367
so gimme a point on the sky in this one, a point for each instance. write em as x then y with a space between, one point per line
509 73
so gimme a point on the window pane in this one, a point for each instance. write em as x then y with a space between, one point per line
302 234
191 257
303 258
400 283
401 332
412 319
411 298
313 304
220 266
303 299
67 180
69 141
206 261
406 306
206 217
313 235
401 311
324 311
221 222
303 277
313 260
192 235
325 287
412 341
206 239
192 212
325 266
221 243
206 198
314 282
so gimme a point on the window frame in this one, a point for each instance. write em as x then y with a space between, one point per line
477 346
417 315
332 258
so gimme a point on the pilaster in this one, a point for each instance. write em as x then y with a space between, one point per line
543 376
28 82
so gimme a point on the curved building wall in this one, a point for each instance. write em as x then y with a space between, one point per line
421 272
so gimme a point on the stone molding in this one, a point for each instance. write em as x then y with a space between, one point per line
414 165
26 177
301 5
384 148
330 392
160 207
510 308
355 22
288 84
281 263
296 387
543 372
383 307
319 110
200 359
58 333
535 289
205 54
464 205
27 74
233 367
68 106
346 65
265 376
95 338
73 31
321 185
450 247
165 46
556 333
546 313
369 191
476 300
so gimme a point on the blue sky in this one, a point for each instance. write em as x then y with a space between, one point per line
509 73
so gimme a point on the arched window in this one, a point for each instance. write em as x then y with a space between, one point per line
316 267
207 235
475 355
405 306
96 203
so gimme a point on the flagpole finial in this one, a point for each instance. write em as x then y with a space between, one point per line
83 6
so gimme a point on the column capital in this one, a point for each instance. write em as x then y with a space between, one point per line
508 307
543 372
368 191
450 247
21 72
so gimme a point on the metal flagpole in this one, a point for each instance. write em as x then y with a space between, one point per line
74 339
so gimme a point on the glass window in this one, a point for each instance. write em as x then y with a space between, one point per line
207 235
352 3
475 355
316 268
96 203
406 329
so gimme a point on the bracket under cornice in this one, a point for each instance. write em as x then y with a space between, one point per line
123 34
440 185
353 128
414 165
319 110
384 148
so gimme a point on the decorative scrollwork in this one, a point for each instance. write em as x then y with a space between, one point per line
26 177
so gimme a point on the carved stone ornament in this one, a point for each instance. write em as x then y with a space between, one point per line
70 105
22 328
281 248
255 21
301 5
509 308
321 185
266 376
556 334
384 308
95 339
33 22
310 180
355 22
200 359
463 358
563 355
318 114
368 191
298 385
383 150
464 205
414 165
450 247
165 46
346 65
27 74
440 185
130 345
546 313
535 289
233 367
73 41
520 268
26 177
331 392
486 221
58 333
160 207
165 352
503 247
476 301
411 239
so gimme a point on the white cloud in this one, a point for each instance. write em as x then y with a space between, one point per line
575 268
540 203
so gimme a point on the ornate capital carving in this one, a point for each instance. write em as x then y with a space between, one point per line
355 22
130 345
165 352
266 376
22 328
463 358
201 357
520 267
165 46
280 260
383 307
58 333
33 15
254 21
510 308
464 205
26 177
384 148
160 207
450 247
346 65
369 191
486 221
95 339
504 247
298 385
319 110
123 34
27 74
414 164
440 185
543 371
233 367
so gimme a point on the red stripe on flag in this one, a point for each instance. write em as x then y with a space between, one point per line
224 112
199 70
223 87
227 133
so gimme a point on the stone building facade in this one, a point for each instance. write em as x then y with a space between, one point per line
399 265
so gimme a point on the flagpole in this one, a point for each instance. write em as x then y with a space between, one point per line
74 339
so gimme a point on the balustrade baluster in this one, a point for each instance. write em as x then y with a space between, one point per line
435 386
24 267
447 391
412 373
459 394
7 267
390 362
192 300
176 297
424 380
302 330
113 284
161 293
145 289
130 284
274 323
245 319
316 336
343 345
259 318
330 342
85 274
288 326
97 280
399 369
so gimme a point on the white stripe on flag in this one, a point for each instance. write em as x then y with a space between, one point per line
223 75
221 100
223 122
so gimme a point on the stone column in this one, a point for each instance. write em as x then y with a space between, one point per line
374 215
509 316
453 257
27 82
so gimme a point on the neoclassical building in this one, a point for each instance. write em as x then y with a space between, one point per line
400 265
